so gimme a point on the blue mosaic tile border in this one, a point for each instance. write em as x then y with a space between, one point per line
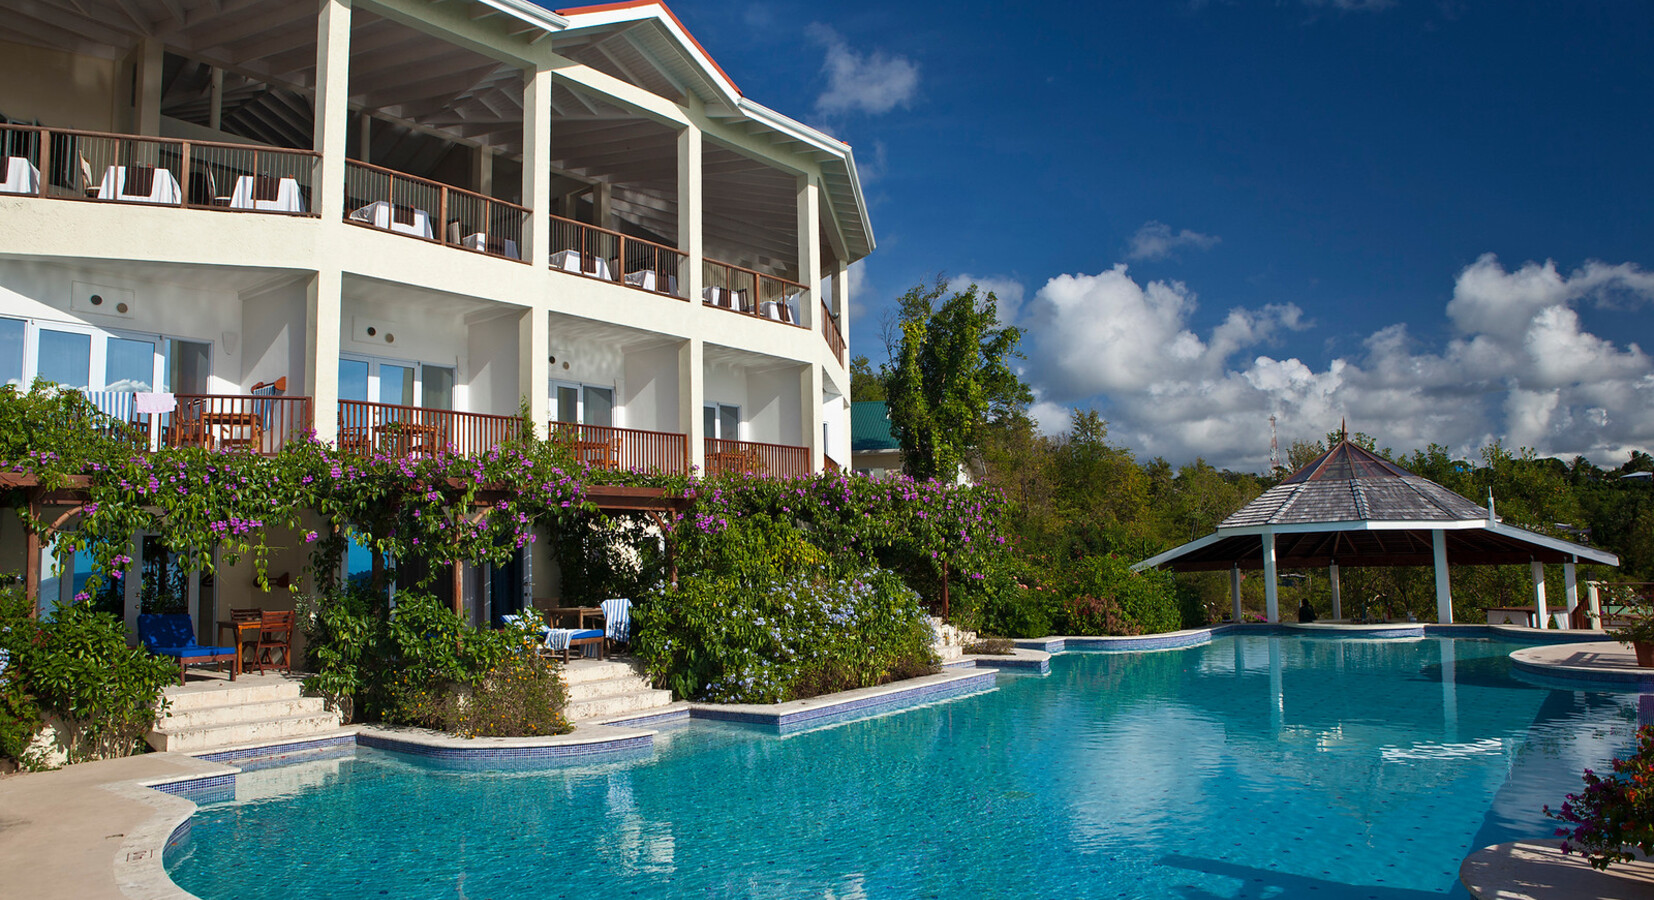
209 787
676 715
503 754
252 757
1015 664
1547 676
1409 630
1551 636
861 706
960 664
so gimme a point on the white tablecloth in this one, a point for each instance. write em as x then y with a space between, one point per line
378 214
569 261
163 189
21 177
287 199
650 281
479 242
771 309
724 297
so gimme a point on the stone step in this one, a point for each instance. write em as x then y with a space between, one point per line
591 690
580 670
192 740
614 704
227 714
246 689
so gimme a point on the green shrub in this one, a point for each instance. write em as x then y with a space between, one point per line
1147 601
77 667
713 637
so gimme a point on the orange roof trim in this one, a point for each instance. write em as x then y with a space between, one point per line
635 4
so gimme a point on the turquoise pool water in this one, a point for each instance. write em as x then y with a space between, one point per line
1251 767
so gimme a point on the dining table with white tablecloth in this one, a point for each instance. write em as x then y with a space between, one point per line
486 243
141 184
395 217
267 193
18 176
649 280
570 261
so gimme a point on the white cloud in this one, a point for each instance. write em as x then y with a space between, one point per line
873 82
1008 292
1521 368
1157 240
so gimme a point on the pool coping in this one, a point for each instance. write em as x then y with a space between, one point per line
1534 870
1584 665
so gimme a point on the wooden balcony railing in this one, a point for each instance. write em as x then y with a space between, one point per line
830 332
724 457
122 168
754 293
603 447
257 424
611 256
377 197
393 430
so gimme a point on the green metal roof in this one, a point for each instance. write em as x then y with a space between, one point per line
870 427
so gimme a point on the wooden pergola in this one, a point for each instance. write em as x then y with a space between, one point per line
1351 507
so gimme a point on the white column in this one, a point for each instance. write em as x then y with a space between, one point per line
603 205
692 397
321 358
332 113
1234 593
534 367
1538 569
1593 607
810 412
1444 591
1271 603
537 165
809 252
484 175
215 115
690 204
364 137
147 61
841 301
1570 589
1337 597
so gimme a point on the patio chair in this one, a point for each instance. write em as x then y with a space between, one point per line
275 635
173 634
617 621
562 639
245 623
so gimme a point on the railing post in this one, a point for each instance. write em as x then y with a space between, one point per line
442 216
45 146
184 171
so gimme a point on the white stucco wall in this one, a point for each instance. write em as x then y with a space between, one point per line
651 395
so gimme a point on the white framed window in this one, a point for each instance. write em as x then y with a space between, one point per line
587 404
722 421
396 381
94 359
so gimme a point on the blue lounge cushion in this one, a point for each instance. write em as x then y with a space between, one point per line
172 634
195 650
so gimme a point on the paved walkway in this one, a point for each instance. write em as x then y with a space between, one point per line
1599 665
1527 870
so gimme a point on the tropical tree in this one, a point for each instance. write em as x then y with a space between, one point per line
951 377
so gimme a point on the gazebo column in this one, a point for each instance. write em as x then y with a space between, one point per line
1593 605
1444 591
1337 598
1272 609
1539 591
1570 589
1234 593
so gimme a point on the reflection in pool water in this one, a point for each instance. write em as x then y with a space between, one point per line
1248 767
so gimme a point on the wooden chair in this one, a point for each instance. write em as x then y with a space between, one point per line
246 624
275 634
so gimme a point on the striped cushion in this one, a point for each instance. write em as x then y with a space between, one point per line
559 638
617 619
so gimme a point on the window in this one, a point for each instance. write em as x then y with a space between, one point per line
587 404
722 421
396 382
95 360
13 335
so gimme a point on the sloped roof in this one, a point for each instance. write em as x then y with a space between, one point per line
870 427
1355 508
1347 484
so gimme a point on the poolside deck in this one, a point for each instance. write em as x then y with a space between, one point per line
1528 870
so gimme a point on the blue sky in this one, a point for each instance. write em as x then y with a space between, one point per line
1431 217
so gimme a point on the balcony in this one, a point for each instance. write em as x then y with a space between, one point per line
603 447
753 293
382 198
593 252
726 457
831 334
394 430
97 167
250 423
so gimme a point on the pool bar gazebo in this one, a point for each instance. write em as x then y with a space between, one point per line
1352 507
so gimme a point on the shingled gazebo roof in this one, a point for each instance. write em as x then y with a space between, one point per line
1352 507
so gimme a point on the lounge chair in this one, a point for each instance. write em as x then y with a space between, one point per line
560 640
174 635
617 621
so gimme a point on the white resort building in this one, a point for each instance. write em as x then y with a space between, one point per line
400 222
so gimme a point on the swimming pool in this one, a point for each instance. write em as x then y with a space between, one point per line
1247 767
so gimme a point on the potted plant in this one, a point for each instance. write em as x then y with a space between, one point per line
1639 633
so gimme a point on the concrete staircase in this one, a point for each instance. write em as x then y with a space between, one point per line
255 709
602 688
